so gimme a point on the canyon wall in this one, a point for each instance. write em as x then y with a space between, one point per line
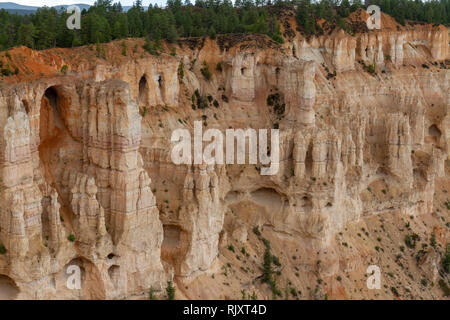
87 178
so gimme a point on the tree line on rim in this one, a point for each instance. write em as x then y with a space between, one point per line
106 21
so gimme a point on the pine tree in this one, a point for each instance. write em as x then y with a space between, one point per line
212 33
26 34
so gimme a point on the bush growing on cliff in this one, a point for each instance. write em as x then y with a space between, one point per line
151 294
64 69
268 270
444 287
205 71
433 240
7 71
212 33
170 291
371 68
411 239
151 47
2 249
446 259
71 237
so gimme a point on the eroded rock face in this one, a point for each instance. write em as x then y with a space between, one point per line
86 156
88 163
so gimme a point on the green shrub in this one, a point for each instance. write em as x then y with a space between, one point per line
71 237
371 68
293 292
2 249
394 291
446 260
276 261
151 47
444 287
151 294
7 71
433 240
411 239
212 33
64 69
170 290
144 111
231 248
205 71
268 270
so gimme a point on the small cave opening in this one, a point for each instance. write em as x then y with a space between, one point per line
85 278
277 72
114 274
382 171
52 128
8 288
160 81
174 245
111 256
243 70
434 133
306 203
143 91
268 197
51 122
